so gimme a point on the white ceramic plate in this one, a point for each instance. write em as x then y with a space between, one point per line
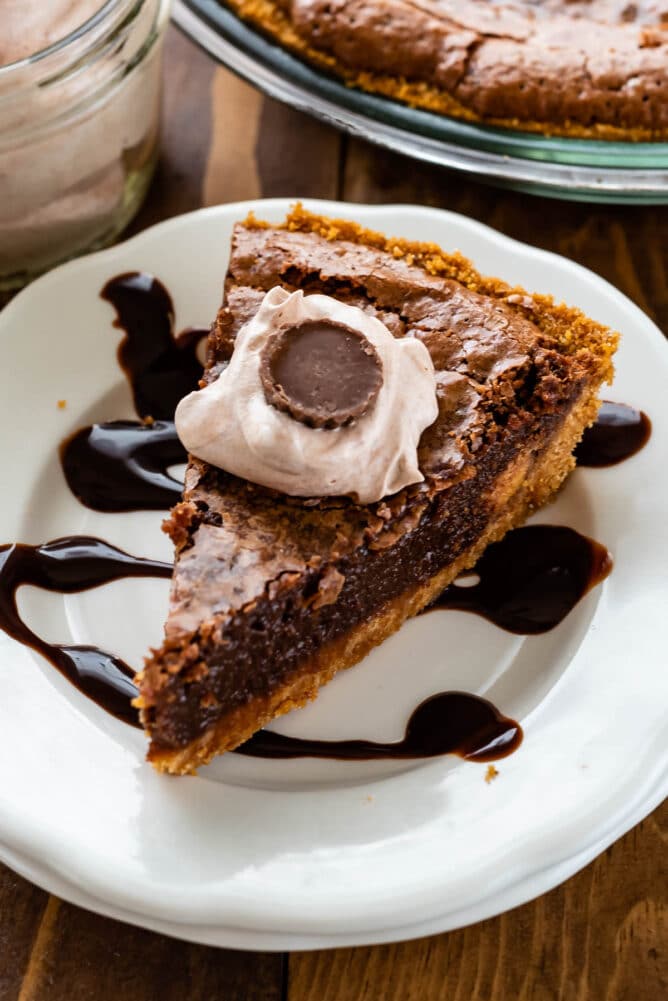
306 853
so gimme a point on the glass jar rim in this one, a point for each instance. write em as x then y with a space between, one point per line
103 15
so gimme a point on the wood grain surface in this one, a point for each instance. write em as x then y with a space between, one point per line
603 935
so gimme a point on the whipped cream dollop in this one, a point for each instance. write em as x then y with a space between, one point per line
231 423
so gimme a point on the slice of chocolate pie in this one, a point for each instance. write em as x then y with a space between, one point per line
274 591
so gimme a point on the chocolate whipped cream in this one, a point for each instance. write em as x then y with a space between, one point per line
352 429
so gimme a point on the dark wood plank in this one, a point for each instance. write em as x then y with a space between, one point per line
263 149
601 936
21 910
83 957
297 155
232 172
186 132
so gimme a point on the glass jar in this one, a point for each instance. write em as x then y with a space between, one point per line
79 130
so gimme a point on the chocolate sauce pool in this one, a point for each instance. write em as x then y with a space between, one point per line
161 368
123 465
532 579
448 723
527 583
619 432
67 565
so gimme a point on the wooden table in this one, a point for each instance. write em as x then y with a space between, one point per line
603 935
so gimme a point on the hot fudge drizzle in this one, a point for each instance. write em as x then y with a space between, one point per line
161 368
451 722
123 466
530 580
618 433
74 563
448 723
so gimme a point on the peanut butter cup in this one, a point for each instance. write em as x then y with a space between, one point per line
322 373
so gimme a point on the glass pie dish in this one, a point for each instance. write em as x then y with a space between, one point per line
578 169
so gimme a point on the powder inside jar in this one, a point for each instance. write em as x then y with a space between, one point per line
78 126
28 28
